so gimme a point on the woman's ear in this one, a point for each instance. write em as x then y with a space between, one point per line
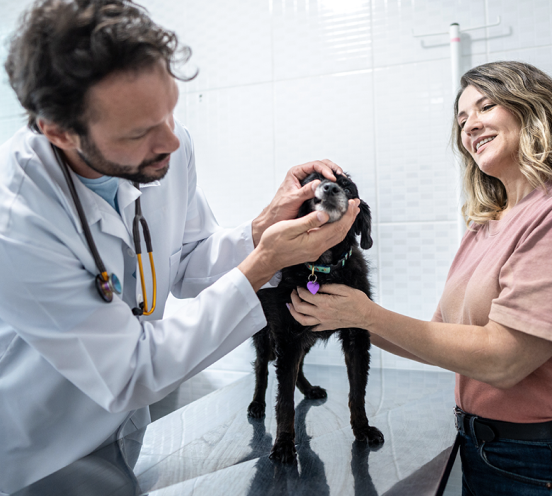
363 226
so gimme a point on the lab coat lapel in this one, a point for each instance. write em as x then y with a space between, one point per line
126 196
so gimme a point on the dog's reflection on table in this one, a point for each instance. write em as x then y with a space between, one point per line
306 475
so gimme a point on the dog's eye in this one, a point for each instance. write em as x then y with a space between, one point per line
347 191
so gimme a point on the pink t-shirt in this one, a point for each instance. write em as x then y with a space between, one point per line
503 272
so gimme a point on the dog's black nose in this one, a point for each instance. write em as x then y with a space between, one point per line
330 188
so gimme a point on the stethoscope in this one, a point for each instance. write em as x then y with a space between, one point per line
107 285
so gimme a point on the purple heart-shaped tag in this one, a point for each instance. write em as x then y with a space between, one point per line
313 287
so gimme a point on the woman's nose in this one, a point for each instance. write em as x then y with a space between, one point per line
471 124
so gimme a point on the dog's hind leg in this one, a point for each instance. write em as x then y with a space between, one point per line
289 357
311 392
356 345
257 407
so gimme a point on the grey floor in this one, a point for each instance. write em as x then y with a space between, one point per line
211 380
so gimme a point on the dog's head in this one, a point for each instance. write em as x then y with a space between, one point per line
333 198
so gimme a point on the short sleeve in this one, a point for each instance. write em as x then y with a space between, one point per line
525 299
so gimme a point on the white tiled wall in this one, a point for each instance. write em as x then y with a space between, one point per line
286 81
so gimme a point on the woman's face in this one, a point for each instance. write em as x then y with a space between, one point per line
490 133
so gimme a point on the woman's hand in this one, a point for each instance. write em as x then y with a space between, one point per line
334 307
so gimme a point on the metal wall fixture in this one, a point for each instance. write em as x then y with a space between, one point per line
456 71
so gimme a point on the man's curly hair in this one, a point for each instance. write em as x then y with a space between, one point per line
62 48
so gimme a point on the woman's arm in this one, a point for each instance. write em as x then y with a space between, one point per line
393 348
494 354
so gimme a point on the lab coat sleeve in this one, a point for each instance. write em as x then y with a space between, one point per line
208 251
49 298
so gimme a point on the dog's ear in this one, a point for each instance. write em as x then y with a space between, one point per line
363 226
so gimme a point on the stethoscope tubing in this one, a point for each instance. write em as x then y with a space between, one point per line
82 216
105 284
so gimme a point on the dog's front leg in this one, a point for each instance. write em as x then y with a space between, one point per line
263 348
356 345
288 358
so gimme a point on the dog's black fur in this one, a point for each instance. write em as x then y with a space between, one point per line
287 341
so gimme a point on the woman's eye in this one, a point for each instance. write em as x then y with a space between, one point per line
462 124
489 106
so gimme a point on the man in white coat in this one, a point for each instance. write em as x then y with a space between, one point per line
76 373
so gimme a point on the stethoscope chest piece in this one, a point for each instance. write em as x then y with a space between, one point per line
106 287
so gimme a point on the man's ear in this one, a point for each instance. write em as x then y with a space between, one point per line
66 140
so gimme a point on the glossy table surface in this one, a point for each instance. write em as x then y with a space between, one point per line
211 447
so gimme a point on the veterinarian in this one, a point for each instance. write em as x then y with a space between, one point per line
493 325
83 346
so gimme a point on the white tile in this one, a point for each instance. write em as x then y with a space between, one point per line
11 12
523 24
417 177
328 117
540 57
396 21
314 37
231 40
414 263
233 134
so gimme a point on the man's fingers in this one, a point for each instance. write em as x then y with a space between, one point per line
325 167
308 222
307 191
331 234
332 166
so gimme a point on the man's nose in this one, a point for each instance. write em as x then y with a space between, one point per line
167 141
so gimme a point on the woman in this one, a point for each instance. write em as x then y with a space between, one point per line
493 325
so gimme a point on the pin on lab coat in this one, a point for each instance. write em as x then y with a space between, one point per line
76 371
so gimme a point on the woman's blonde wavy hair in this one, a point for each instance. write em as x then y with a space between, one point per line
526 92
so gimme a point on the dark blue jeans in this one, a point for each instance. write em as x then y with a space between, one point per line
505 467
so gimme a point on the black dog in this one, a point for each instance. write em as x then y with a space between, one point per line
287 341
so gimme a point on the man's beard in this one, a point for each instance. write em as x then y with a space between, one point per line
92 156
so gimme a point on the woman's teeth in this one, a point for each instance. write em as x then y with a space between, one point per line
482 142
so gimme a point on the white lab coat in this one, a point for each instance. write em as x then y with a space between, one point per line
74 370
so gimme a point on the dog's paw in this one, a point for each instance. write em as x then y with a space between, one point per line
368 433
316 393
283 451
256 409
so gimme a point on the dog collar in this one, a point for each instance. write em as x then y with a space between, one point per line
326 269
312 285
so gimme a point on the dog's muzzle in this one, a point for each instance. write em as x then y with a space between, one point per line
331 199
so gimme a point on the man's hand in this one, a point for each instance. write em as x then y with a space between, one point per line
290 195
295 241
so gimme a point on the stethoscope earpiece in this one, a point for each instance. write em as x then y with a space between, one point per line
106 287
